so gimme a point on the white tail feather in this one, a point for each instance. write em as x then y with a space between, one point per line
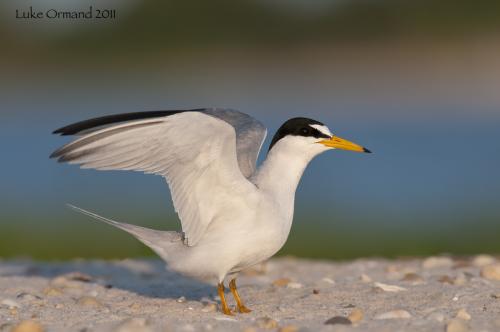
159 241
95 216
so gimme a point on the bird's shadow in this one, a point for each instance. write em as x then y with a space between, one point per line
146 277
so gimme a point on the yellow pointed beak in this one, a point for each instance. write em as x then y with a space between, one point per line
343 144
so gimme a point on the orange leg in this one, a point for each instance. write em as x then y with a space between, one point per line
239 303
224 307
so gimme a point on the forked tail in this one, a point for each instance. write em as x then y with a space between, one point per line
159 241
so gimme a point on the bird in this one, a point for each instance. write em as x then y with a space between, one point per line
233 214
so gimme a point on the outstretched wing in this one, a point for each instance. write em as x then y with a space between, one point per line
196 151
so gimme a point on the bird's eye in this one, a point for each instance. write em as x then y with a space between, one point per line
304 131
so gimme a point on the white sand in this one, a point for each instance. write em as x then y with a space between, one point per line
293 294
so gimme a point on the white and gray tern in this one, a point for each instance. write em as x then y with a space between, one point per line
233 215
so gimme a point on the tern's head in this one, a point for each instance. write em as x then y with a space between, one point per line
311 137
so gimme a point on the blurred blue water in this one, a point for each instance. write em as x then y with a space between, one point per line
429 169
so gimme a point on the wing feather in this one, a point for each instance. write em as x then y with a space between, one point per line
195 152
250 135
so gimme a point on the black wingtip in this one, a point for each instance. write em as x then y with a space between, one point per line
77 127
54 154
66 130
365 150
58 132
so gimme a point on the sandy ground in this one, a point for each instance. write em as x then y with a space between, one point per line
286 294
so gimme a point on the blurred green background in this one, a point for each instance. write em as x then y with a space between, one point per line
417 82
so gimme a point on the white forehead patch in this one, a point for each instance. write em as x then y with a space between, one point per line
322 129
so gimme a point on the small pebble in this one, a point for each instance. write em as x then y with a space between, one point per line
89 301
52 291
457 325
460 280
28 296
389 288
11 304
329 281
135 306
356 315
315 291
64 282
28 326
483 260
463 314
365 278
181 299
445 279
395 314
288 328
491 272
281 282
266 323
294 285
413 278
78 276
437 262
338 320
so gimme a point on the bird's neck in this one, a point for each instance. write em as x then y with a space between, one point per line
280 173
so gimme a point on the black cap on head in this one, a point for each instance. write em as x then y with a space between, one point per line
298 127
